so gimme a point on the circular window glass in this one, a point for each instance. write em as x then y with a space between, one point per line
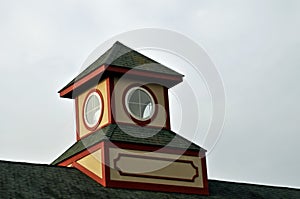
92 109
140 103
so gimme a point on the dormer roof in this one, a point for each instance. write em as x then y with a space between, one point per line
138 135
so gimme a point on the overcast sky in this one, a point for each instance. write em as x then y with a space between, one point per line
255 46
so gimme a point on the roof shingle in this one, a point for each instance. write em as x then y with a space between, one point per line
130 134
24 180
125 57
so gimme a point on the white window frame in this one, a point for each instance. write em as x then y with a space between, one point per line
128 94
96 94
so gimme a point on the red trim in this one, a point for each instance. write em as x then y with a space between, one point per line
139 122
85 79
77 119
108 93
106 165
110 89
204 174
88 172
112 98
145 175
143 147
134 125
167 108
80 155
157 187
102 110
138 72
120 70
103 163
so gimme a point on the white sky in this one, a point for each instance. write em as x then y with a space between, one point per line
255 46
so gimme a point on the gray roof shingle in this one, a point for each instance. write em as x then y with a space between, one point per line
24 180
130 134
125 57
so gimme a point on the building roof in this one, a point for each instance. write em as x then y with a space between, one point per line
122 56
137 135
24 180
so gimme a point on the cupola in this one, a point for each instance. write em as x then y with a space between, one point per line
123 130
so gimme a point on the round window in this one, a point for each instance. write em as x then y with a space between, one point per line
140 103
92 109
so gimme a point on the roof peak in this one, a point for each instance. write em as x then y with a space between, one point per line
118 42
126 59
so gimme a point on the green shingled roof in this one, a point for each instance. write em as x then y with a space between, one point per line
130 134
125 57
24 180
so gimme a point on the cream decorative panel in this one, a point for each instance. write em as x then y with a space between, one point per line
156 168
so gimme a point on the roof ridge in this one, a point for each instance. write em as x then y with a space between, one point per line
119 44
111 130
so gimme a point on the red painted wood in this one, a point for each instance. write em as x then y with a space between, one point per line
105 166
80 155
120 70
143 147
77 119
157 187
143 73
80 82
167 108
109 90
204 174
